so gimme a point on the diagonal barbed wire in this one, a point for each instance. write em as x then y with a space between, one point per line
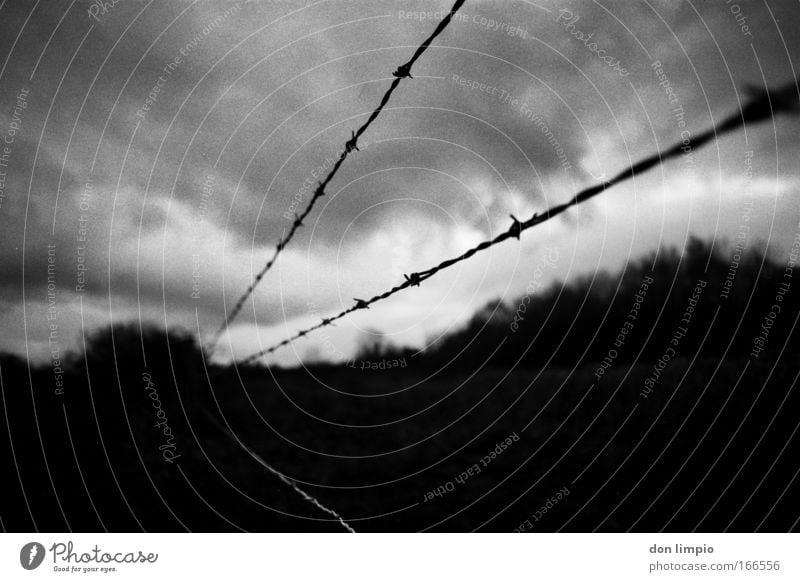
402 72
763 105
286 480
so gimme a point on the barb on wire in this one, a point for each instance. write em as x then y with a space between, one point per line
309 498
762 106
516 227
402 72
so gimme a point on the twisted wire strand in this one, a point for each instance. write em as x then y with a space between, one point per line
763 105
286 480
402 72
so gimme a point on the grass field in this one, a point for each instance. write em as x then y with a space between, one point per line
398 452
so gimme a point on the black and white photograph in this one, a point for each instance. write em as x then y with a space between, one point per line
309 267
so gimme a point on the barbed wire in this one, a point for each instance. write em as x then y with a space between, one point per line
402 72
763 105
286 480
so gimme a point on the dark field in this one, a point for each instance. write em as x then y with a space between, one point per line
488 430
707 451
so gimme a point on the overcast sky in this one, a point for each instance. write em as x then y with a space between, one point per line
154 151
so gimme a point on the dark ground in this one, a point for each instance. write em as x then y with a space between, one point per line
713 447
